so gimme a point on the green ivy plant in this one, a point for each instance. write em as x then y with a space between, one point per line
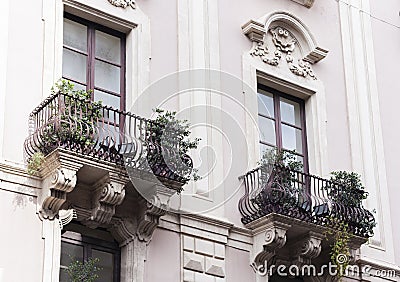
35 163
340 250
173 135
86 271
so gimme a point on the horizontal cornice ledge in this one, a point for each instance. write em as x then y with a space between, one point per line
254 30
305 3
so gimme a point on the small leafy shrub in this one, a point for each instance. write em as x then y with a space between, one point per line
349 195
171 136
35 163
277 175
352 191
282 158
86 271
78 115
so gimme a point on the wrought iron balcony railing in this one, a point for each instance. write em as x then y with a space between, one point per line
278 189
101 132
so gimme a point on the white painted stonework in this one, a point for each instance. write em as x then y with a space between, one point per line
326 52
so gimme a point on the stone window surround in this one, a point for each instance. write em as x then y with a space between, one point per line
311 90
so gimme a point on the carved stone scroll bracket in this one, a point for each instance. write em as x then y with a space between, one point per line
109 192
153 209
59 179
123 3
267 239
123 230
66 216
307 248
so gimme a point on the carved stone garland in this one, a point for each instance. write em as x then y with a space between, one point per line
123 3
285 43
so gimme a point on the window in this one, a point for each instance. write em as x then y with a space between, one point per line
94 59
76 246
281 120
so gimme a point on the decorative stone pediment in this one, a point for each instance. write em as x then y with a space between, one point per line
279 43
306 3
123 3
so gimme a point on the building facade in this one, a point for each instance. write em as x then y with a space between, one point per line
315 77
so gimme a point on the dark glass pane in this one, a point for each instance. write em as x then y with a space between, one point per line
70 251
64 275
106 263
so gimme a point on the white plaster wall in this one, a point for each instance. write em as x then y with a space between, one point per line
164 35
21 245
24 74
163 257
237 266
388 87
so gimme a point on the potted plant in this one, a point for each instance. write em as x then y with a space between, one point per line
347 195
168 144
278 176
69 119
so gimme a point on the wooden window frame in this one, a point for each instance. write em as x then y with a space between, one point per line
89 243
91 57
278 122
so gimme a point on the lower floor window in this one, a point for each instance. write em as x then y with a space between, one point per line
76 247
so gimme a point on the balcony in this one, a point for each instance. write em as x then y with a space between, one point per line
291 212
100 133
97 159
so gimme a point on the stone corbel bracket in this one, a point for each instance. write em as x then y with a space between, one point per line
153 209
307 248
268 238
59 179
109 192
